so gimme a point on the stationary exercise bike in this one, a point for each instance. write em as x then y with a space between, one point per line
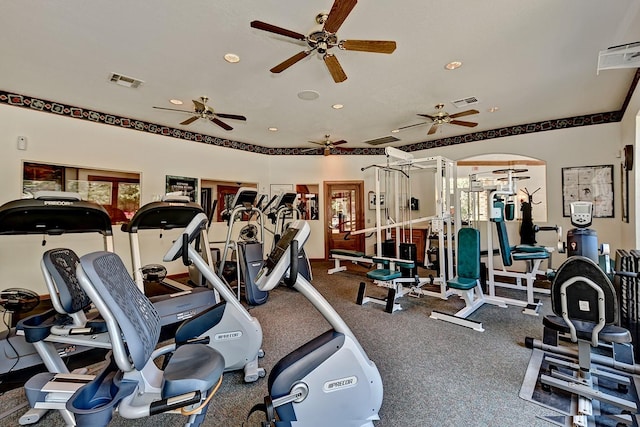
329 381
226 327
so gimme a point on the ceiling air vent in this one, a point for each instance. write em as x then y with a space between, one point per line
623 56
383 140
465 102
125 81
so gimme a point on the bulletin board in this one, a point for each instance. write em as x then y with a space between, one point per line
589 183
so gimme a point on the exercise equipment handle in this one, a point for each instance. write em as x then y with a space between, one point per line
630 274
185 254
293 265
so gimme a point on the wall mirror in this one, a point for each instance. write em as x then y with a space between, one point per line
118 192
308 201
221 191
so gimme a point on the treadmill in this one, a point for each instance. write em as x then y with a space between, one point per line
175 301
49 213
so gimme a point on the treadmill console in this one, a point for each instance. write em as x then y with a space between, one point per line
581 214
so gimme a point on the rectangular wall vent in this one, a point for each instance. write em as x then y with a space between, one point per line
623 56
383 140
465 102
125 81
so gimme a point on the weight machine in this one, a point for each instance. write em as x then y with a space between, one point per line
532 255
443 224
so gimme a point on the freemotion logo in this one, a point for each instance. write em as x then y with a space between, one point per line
340 384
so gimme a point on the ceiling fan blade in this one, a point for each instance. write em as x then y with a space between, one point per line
335 68
342 141
338 13
190 120
222 124
375 46
433 129
317 143
412 126
463 123
464 113
198 105
277 30
289 62
173 109
231 116
428 116
306 150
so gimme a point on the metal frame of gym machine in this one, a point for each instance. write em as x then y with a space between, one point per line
245 202
531 305
442 223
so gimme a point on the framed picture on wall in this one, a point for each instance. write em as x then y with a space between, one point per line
184 185
589 183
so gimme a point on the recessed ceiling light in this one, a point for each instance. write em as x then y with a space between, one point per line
308 95
453 65
395 131
337 106
175 101
231 57
273 129
493 109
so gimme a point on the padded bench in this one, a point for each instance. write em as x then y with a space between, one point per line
355 257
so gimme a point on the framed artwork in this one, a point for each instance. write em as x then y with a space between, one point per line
184 185
589 183
39 177
277 189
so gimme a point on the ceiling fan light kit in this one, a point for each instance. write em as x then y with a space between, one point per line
325 38
328 145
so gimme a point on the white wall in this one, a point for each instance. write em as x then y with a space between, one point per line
77 142
630 135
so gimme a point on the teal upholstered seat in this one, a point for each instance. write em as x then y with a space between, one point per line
467 281
383 274
515 253
468 260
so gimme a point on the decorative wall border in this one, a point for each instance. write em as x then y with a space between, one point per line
24 101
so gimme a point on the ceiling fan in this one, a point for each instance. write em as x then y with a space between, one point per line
325 38
203 111
328 145
441 117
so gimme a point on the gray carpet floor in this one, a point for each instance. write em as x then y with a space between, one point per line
434 373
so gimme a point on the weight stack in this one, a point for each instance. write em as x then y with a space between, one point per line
628 298
388 248
408 251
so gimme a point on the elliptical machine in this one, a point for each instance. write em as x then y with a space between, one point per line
330 380
248 249
281 214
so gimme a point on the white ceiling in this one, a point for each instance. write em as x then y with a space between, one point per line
535 60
